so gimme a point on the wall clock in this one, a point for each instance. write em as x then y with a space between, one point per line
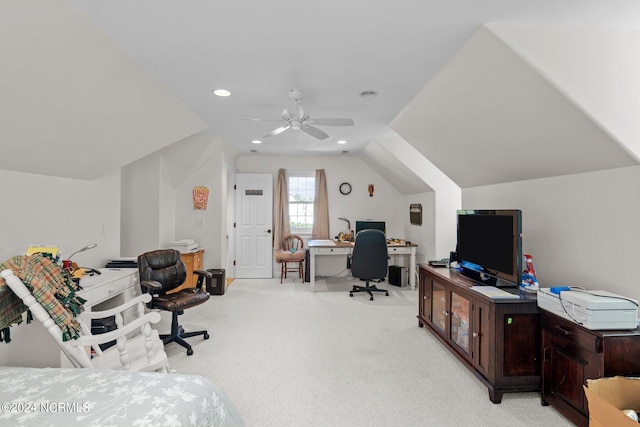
345 188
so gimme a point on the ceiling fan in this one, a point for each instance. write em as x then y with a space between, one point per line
298 119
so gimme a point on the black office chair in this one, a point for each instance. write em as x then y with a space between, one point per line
369 260
162 271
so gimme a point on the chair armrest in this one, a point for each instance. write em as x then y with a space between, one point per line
201 276
203 273
150 285
100 314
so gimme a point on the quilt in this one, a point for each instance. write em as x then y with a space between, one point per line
91 397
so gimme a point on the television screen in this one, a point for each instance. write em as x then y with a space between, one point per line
366 225
489 242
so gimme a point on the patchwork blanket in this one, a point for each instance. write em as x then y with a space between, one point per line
52 287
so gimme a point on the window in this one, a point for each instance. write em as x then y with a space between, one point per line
302 191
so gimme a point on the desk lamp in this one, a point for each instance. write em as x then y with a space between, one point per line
86 248
67 262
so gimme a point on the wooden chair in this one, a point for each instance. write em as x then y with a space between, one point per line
138 347
292 252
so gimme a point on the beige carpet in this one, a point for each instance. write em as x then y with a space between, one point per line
289 357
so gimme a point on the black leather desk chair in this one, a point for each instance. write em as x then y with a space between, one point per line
162 271
369 260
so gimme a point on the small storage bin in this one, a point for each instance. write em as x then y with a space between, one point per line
217 284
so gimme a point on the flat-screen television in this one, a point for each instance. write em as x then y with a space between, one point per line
366 225
490 243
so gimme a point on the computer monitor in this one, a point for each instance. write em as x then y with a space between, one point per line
370 225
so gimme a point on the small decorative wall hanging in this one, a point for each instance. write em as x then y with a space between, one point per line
415 213
200 198
371 190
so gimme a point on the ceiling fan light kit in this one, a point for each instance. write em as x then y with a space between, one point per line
298 119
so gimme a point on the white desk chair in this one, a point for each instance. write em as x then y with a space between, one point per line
141 352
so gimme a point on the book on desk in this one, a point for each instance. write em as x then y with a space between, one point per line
122 263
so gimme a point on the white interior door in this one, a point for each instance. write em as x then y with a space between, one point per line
254 219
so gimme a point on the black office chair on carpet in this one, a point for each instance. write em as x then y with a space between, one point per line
161 272
369 260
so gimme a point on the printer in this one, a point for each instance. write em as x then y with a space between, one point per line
184 245
596 310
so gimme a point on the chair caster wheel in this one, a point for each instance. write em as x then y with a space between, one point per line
350 294
371 299
387 293
189 352
206 336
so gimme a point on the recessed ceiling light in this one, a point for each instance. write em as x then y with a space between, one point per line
368 94
221 92
256 141
342 141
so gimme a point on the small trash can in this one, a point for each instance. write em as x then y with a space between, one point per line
217 284
397 276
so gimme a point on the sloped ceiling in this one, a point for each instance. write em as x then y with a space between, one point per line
73 104
518 101
491 116
597 68
393 170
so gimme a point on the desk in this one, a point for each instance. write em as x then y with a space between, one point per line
108 290
111 288
331 247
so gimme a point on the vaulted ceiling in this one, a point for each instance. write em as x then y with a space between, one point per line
492 91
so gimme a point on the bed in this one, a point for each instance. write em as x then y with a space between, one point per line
94 397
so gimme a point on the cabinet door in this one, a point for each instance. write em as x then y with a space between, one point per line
460 316
566 368
439 310
424 298
481 336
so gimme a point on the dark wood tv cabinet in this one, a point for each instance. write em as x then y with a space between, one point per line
571 354
497 339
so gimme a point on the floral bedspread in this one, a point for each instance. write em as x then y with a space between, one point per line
92 398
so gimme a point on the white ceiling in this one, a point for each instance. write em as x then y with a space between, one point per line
333 50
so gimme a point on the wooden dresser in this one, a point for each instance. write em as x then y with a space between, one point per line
572 354
192 261
497 339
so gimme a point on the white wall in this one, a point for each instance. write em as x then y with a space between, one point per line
141 206
582 230
157 194
65 212
387 204
443 202
423 235
204 225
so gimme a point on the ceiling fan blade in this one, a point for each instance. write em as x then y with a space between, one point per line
332 122
258 120
277 131
315 132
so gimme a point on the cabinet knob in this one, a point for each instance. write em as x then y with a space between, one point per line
475 334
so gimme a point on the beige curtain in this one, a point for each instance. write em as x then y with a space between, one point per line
281 226
320 208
